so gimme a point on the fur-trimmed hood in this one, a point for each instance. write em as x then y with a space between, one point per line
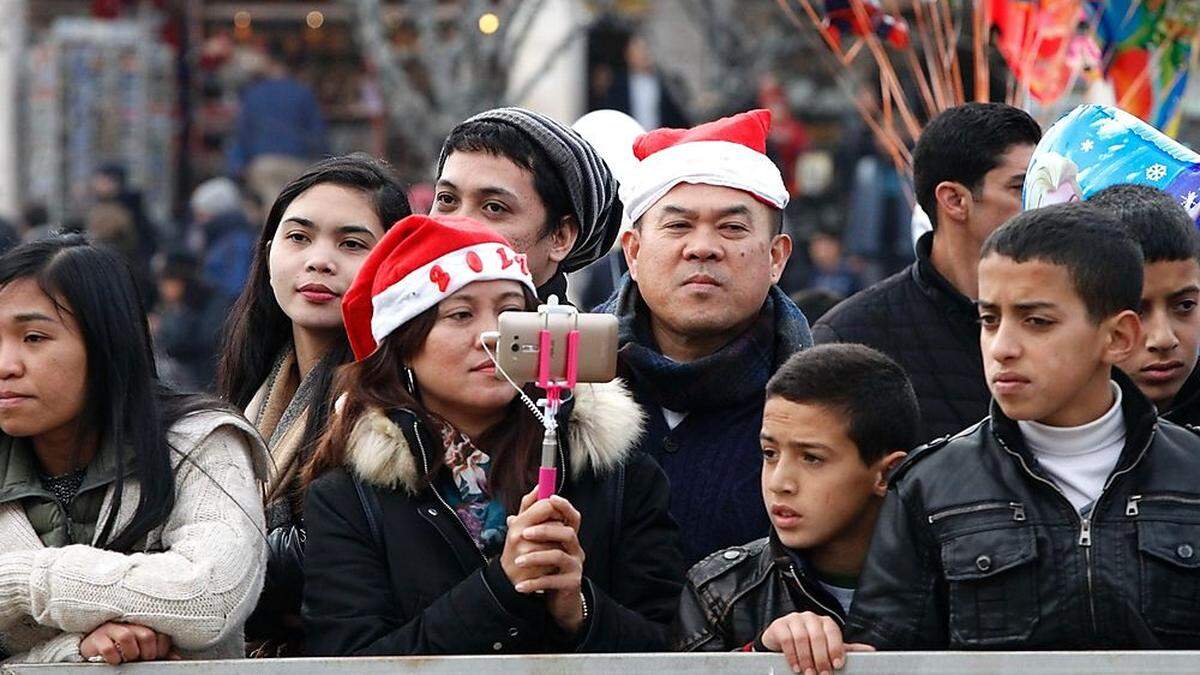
605 426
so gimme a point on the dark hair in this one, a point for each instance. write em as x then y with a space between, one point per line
869 389
180 264
258 330
1154 219
378 382
124 404
814 303
964 143
505 140
1103 261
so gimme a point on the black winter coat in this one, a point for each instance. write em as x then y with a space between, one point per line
919 319
1185 410
976 548
733 595
430 591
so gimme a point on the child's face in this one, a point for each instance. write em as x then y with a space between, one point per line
1044 358
815 485
1172 326
171 290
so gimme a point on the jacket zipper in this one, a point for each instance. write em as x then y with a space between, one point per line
837 616
1017 508
1085 523
1131 506
438 495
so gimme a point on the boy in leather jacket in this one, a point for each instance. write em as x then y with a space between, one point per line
1070 517
837 419
1165 366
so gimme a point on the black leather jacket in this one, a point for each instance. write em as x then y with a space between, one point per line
734 594
977 548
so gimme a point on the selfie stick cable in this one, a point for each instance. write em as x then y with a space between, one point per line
554 388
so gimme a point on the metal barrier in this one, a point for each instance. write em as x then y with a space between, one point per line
896 663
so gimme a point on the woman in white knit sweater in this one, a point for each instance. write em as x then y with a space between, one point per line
131 526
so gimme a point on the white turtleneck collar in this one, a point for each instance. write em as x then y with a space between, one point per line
1079 459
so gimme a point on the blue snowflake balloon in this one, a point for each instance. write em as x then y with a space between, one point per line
1095 146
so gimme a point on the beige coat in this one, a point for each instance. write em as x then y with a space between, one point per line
197 580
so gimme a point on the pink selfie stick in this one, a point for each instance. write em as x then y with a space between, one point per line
548 472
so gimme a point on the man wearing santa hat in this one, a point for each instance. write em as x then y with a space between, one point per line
702 324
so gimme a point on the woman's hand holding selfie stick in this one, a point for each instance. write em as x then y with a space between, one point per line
542 553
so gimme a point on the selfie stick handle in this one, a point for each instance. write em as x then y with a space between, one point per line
548 472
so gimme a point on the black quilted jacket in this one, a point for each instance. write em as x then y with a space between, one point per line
930 329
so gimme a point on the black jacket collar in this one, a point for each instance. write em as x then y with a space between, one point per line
936 287
1141 422
1186 407
555 285
781 557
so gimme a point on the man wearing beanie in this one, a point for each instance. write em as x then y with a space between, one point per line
538 183
702 325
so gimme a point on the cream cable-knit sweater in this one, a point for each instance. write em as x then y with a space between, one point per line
197 581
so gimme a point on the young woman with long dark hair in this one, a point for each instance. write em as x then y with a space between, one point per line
284 340
423 534
130 522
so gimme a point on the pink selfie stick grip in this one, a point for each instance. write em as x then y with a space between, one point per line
544 347
572 358
547 479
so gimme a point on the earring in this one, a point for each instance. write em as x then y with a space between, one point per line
410 382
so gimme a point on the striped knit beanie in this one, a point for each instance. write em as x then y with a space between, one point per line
590 183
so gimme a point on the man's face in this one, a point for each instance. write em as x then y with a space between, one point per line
815 485
704 258
1045 359
495 191
104 186
1171 322
998 196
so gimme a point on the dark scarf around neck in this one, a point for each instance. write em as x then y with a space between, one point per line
732 375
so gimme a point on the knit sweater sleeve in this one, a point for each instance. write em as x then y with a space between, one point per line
198 590
62 648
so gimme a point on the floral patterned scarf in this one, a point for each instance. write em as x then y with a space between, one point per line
469 492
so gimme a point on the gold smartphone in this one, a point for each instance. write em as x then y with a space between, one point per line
517 349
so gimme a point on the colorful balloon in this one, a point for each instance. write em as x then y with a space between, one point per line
1148 47
1036 39
1094 146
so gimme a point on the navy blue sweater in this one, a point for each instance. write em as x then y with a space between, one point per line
712 458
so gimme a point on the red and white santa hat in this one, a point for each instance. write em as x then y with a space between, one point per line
421 261
729 152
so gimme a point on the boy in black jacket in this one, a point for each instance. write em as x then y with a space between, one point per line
1164 368
837 419
1069 518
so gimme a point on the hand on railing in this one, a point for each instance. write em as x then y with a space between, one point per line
812 643
117 643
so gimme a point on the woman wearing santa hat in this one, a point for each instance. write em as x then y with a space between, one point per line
284 340
423 534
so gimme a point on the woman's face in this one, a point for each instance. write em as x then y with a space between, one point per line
323 238
454 375
43 363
